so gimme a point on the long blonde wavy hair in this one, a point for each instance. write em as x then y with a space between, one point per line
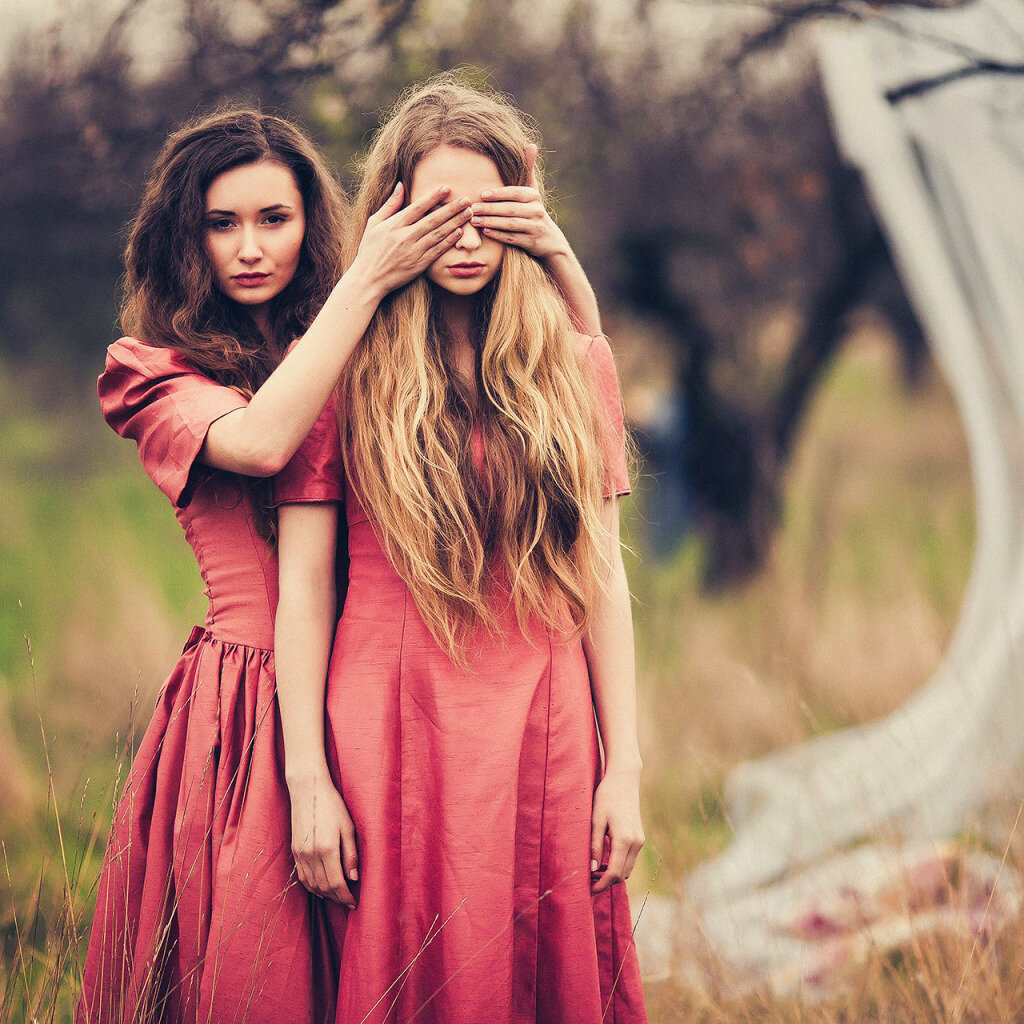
532 517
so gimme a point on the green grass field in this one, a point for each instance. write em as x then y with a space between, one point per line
850 615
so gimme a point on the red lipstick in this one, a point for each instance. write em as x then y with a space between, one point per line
250 280
466 269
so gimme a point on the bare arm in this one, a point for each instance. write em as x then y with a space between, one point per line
323 837
610 655
398 244
571 280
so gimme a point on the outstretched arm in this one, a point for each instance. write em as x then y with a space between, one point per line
611 658
398 244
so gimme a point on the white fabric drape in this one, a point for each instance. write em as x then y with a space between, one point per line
945 172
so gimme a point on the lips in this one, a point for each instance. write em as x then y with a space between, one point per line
250 280
465 269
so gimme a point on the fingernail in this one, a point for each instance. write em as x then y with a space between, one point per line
593 865
487 193
354 874
445 189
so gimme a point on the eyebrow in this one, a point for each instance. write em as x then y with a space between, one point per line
266 209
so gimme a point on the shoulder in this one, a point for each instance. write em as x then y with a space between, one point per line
596 350
129 353
598 357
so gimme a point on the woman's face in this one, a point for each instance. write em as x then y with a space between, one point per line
474 260
255 224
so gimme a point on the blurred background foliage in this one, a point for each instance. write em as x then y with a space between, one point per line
805 483
689 146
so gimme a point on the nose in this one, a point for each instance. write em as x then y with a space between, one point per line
249 250
470 240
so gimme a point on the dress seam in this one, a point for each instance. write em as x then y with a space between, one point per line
256 553
540 837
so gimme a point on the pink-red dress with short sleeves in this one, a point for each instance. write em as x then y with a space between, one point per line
199 915
471 792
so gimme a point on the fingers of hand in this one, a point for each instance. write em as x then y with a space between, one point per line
438 235
625 848
533 210
458 211
439 248
518 225
414 211
336 889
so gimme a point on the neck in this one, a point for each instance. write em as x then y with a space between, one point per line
261 318
458 312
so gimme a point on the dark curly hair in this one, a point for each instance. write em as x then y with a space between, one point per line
170 295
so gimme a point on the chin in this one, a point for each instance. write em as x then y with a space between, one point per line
465 286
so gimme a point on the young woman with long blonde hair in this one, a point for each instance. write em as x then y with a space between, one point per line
466 812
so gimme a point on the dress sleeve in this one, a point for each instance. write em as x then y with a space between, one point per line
165 405
601 365
315 472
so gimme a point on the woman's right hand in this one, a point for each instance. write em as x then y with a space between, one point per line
323 840
400 243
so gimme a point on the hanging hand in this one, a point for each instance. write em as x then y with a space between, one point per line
616 814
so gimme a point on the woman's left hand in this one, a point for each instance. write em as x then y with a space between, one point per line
616 813
515 215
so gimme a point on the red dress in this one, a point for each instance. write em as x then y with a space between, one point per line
199 914
471 793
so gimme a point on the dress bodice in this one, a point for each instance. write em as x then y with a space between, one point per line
238 566
157 398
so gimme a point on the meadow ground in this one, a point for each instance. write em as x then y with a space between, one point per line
850 614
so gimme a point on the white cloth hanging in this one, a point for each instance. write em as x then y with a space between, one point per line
944 170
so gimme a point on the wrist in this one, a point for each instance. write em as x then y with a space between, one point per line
363 285
305 774
624 764
559 255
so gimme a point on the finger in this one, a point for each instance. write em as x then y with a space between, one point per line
529 208
597 832
511 193
414 211
309 879
617 862
442 221
392 204
531 163
336 888
439 236
508 237
632 852
319 873
516 224
350 854
440 248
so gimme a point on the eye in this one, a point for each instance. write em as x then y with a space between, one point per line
276 218
220 224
